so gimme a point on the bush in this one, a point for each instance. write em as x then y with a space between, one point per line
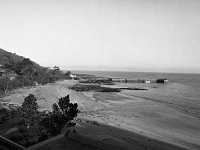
62 115
5 84
29 131
35 126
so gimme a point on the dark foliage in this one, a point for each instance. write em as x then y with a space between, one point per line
4 116
25 72
61 116
5 84
29 131
9 58
35 126
67 75
29 111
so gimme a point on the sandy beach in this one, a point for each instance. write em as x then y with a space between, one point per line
119 120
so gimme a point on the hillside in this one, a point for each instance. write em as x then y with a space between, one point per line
8 57
18 71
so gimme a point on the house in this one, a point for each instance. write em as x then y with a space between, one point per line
2 72
147 81
7 73
73 76
10 74
36 83
162 81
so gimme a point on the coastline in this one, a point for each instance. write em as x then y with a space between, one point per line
137 116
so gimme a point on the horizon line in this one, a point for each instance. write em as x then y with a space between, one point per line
159 72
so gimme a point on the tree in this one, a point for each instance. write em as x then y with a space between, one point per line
29 111
68 73
35 126
11 65
5 84
56 68
28 71
29 131
24 66
62 115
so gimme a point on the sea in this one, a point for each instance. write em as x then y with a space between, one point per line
182 92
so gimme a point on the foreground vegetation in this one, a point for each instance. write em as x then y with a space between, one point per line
33 126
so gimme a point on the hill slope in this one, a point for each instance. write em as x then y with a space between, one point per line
8 57
12 58
19 71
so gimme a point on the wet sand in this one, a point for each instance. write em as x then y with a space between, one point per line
137 123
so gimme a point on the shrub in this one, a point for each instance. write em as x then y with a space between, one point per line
5 84
62 115
29 131
35 126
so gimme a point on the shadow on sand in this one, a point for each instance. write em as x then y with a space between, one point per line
91 135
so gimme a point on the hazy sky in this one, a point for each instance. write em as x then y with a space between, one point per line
137 35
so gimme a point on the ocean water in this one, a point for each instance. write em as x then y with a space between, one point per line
181 93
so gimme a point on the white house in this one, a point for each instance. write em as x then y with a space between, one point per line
72 76
147 81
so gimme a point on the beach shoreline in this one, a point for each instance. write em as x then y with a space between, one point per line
138 116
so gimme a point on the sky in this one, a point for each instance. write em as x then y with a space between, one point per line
123 35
